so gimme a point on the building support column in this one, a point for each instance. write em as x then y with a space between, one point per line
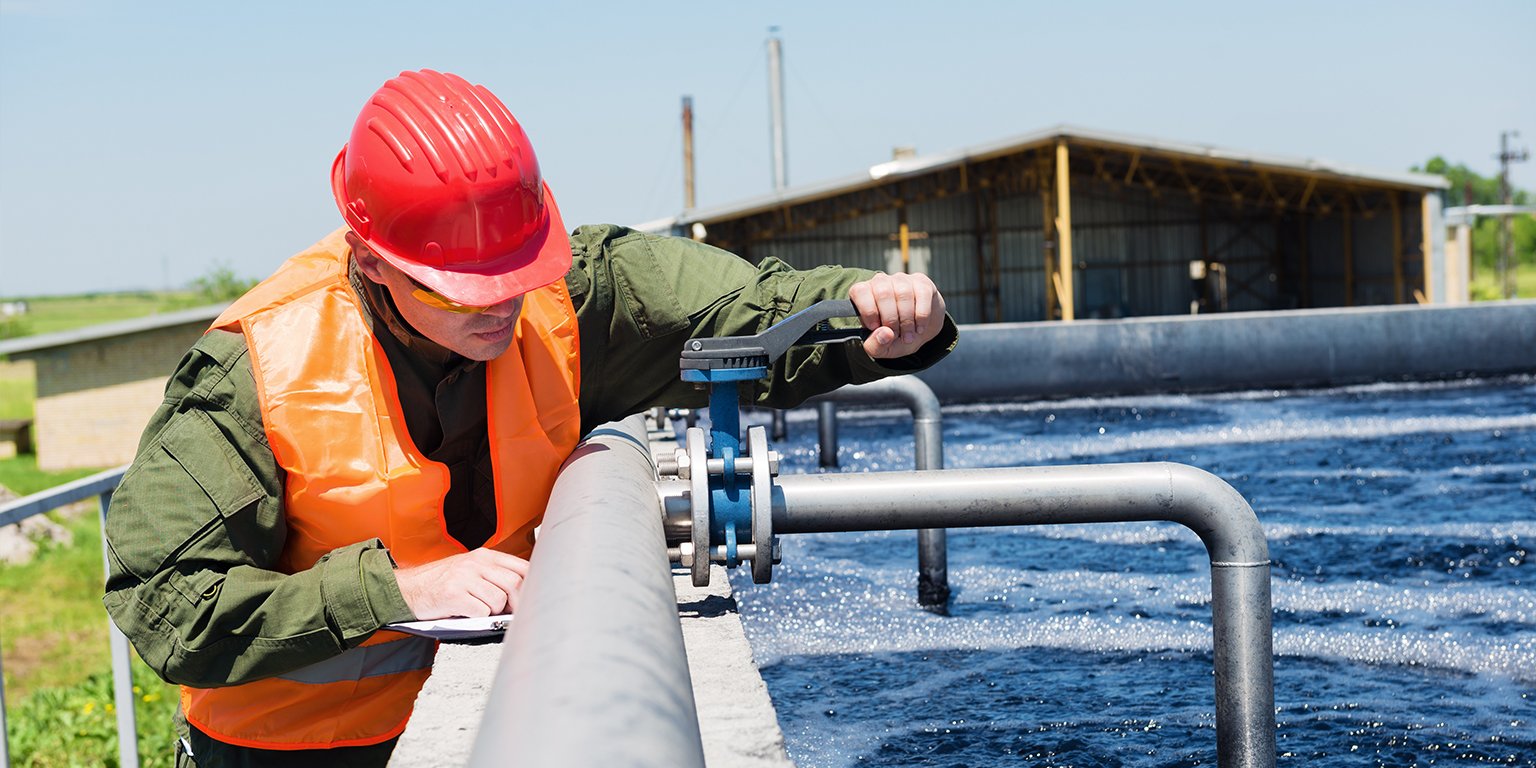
1397 250
1064 232
1048 244
904 239
1429 207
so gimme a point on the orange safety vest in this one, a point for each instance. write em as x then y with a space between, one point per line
334 422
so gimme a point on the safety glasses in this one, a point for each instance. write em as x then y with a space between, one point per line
436 300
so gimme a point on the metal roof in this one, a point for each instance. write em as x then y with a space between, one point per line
109 330
922 164
1466 214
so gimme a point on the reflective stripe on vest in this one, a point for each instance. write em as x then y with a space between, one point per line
405 655
351 473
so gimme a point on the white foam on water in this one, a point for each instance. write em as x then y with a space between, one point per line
1034 448
1511 657
1101 612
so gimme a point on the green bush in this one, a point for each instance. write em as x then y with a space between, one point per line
77 725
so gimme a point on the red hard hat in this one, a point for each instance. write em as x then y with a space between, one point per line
439 179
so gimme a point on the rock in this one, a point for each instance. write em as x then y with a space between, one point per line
19 542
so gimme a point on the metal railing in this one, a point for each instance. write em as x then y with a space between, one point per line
100 485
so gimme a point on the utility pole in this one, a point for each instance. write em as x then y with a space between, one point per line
1506 239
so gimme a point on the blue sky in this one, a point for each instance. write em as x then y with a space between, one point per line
143 143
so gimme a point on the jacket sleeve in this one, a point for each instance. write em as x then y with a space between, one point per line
194 533
639 297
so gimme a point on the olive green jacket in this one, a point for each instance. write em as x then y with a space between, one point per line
197 525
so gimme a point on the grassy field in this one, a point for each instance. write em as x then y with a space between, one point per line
58 682
50 314
21 475
1485 285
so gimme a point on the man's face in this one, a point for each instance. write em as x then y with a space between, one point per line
478 336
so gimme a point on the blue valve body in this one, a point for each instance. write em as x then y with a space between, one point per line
730 509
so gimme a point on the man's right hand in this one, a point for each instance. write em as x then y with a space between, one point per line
484 582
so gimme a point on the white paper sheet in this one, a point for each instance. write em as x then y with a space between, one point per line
455 629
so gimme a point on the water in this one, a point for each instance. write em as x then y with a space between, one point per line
1399 517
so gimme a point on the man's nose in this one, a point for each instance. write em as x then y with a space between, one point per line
508 308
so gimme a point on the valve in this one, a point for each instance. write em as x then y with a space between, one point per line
731 490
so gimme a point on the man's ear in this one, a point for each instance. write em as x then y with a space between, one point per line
367 263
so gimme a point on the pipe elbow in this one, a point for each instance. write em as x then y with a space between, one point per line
1220 515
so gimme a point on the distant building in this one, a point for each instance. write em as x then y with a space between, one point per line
98 386
1071 223
12 308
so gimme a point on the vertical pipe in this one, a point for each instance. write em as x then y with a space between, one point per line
122 669
928 453
1064 231
932 543
904 237
826 433
688 189
776 111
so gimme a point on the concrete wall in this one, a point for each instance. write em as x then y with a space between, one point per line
1246 350
94 397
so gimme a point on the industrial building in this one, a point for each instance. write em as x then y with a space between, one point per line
1071 223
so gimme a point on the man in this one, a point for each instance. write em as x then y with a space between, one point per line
371 434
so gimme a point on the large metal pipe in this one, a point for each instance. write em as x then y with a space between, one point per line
1202 502
928 441
1239 350
593 671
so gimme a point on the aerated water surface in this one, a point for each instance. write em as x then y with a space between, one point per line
1399 519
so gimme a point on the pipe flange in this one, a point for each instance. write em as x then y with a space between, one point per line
699 500
762 505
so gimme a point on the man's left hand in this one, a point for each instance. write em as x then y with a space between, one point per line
903 312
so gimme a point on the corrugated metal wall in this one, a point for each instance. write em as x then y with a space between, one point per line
1133 245
1021 268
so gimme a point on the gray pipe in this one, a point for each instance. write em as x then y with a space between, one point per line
826 433
928 442
1202 502
593 671
1238 350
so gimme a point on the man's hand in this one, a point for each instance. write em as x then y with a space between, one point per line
903 311
483 582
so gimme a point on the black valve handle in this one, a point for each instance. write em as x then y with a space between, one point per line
808 326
